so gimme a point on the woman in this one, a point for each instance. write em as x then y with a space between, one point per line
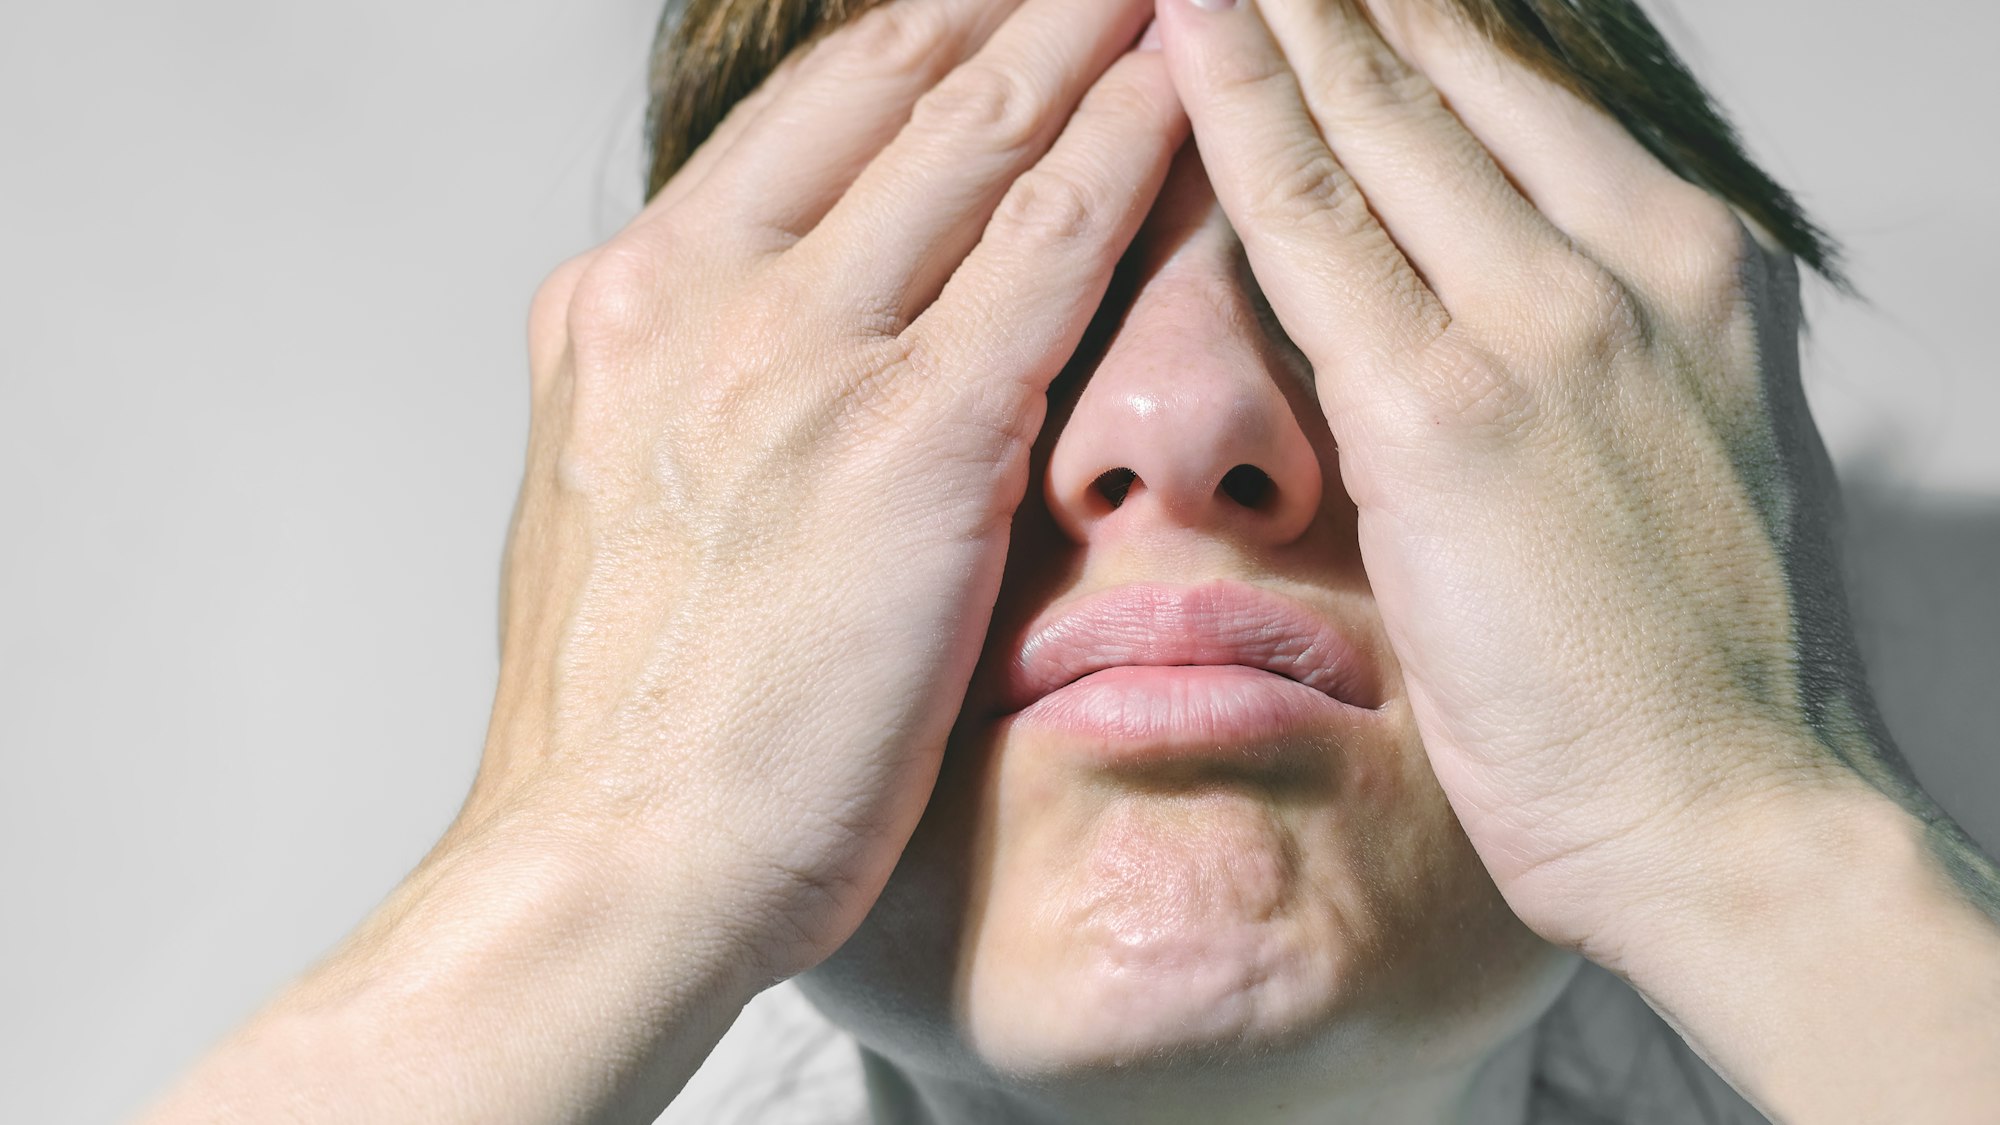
1169 632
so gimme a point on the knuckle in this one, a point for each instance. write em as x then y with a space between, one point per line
616 298
1411 87
1597 317
616 310
1370 79
1312 186
1583 344
1048 207
1474 393
993 106
894 40
1712 225
1718 253
1124 95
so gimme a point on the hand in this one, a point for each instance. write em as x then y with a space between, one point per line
1563 384
780 427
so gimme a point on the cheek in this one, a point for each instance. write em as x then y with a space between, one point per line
1443 939
894 985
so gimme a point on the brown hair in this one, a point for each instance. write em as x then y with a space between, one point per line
707 54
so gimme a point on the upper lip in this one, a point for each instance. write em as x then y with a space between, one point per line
1215 623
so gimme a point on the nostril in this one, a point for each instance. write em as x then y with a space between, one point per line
1113 484
1248 485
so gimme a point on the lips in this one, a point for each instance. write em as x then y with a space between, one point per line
1216 625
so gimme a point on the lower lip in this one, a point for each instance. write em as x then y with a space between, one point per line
1223 711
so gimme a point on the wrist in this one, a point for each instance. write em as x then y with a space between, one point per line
1815 950
510 977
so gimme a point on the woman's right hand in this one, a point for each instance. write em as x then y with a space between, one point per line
780 425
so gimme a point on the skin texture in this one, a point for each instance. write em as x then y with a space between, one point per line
818 432
1504 465
1113 937
736 463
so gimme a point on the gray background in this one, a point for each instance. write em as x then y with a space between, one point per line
263 403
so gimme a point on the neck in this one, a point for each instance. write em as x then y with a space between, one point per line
1492 1090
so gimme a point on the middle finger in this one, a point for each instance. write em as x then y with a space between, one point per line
913 214
1434 186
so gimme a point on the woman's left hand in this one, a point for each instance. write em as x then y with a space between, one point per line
1564 386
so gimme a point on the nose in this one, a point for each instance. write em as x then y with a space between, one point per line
1184 422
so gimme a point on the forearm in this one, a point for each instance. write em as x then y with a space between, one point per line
505 980
1837 968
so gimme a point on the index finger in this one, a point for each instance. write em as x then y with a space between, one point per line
1339 284
786 153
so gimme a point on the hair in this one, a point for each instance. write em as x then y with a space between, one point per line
709 54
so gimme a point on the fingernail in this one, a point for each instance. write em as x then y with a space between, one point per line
1214 5
1150 41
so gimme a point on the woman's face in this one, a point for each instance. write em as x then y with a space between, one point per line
1077 905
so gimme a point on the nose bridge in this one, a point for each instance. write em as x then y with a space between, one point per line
1184 423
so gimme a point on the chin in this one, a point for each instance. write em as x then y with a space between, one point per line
1163 926
1046 930
1090 1014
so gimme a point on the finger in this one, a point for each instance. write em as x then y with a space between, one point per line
1570 158
721 140
1429 181
1024 297
916 210
853 93
1341 288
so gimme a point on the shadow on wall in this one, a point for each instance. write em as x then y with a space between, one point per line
1923 573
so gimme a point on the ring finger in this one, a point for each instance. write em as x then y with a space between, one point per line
852 93
1430 182
916 210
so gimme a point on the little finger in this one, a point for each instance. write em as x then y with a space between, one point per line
1020 304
